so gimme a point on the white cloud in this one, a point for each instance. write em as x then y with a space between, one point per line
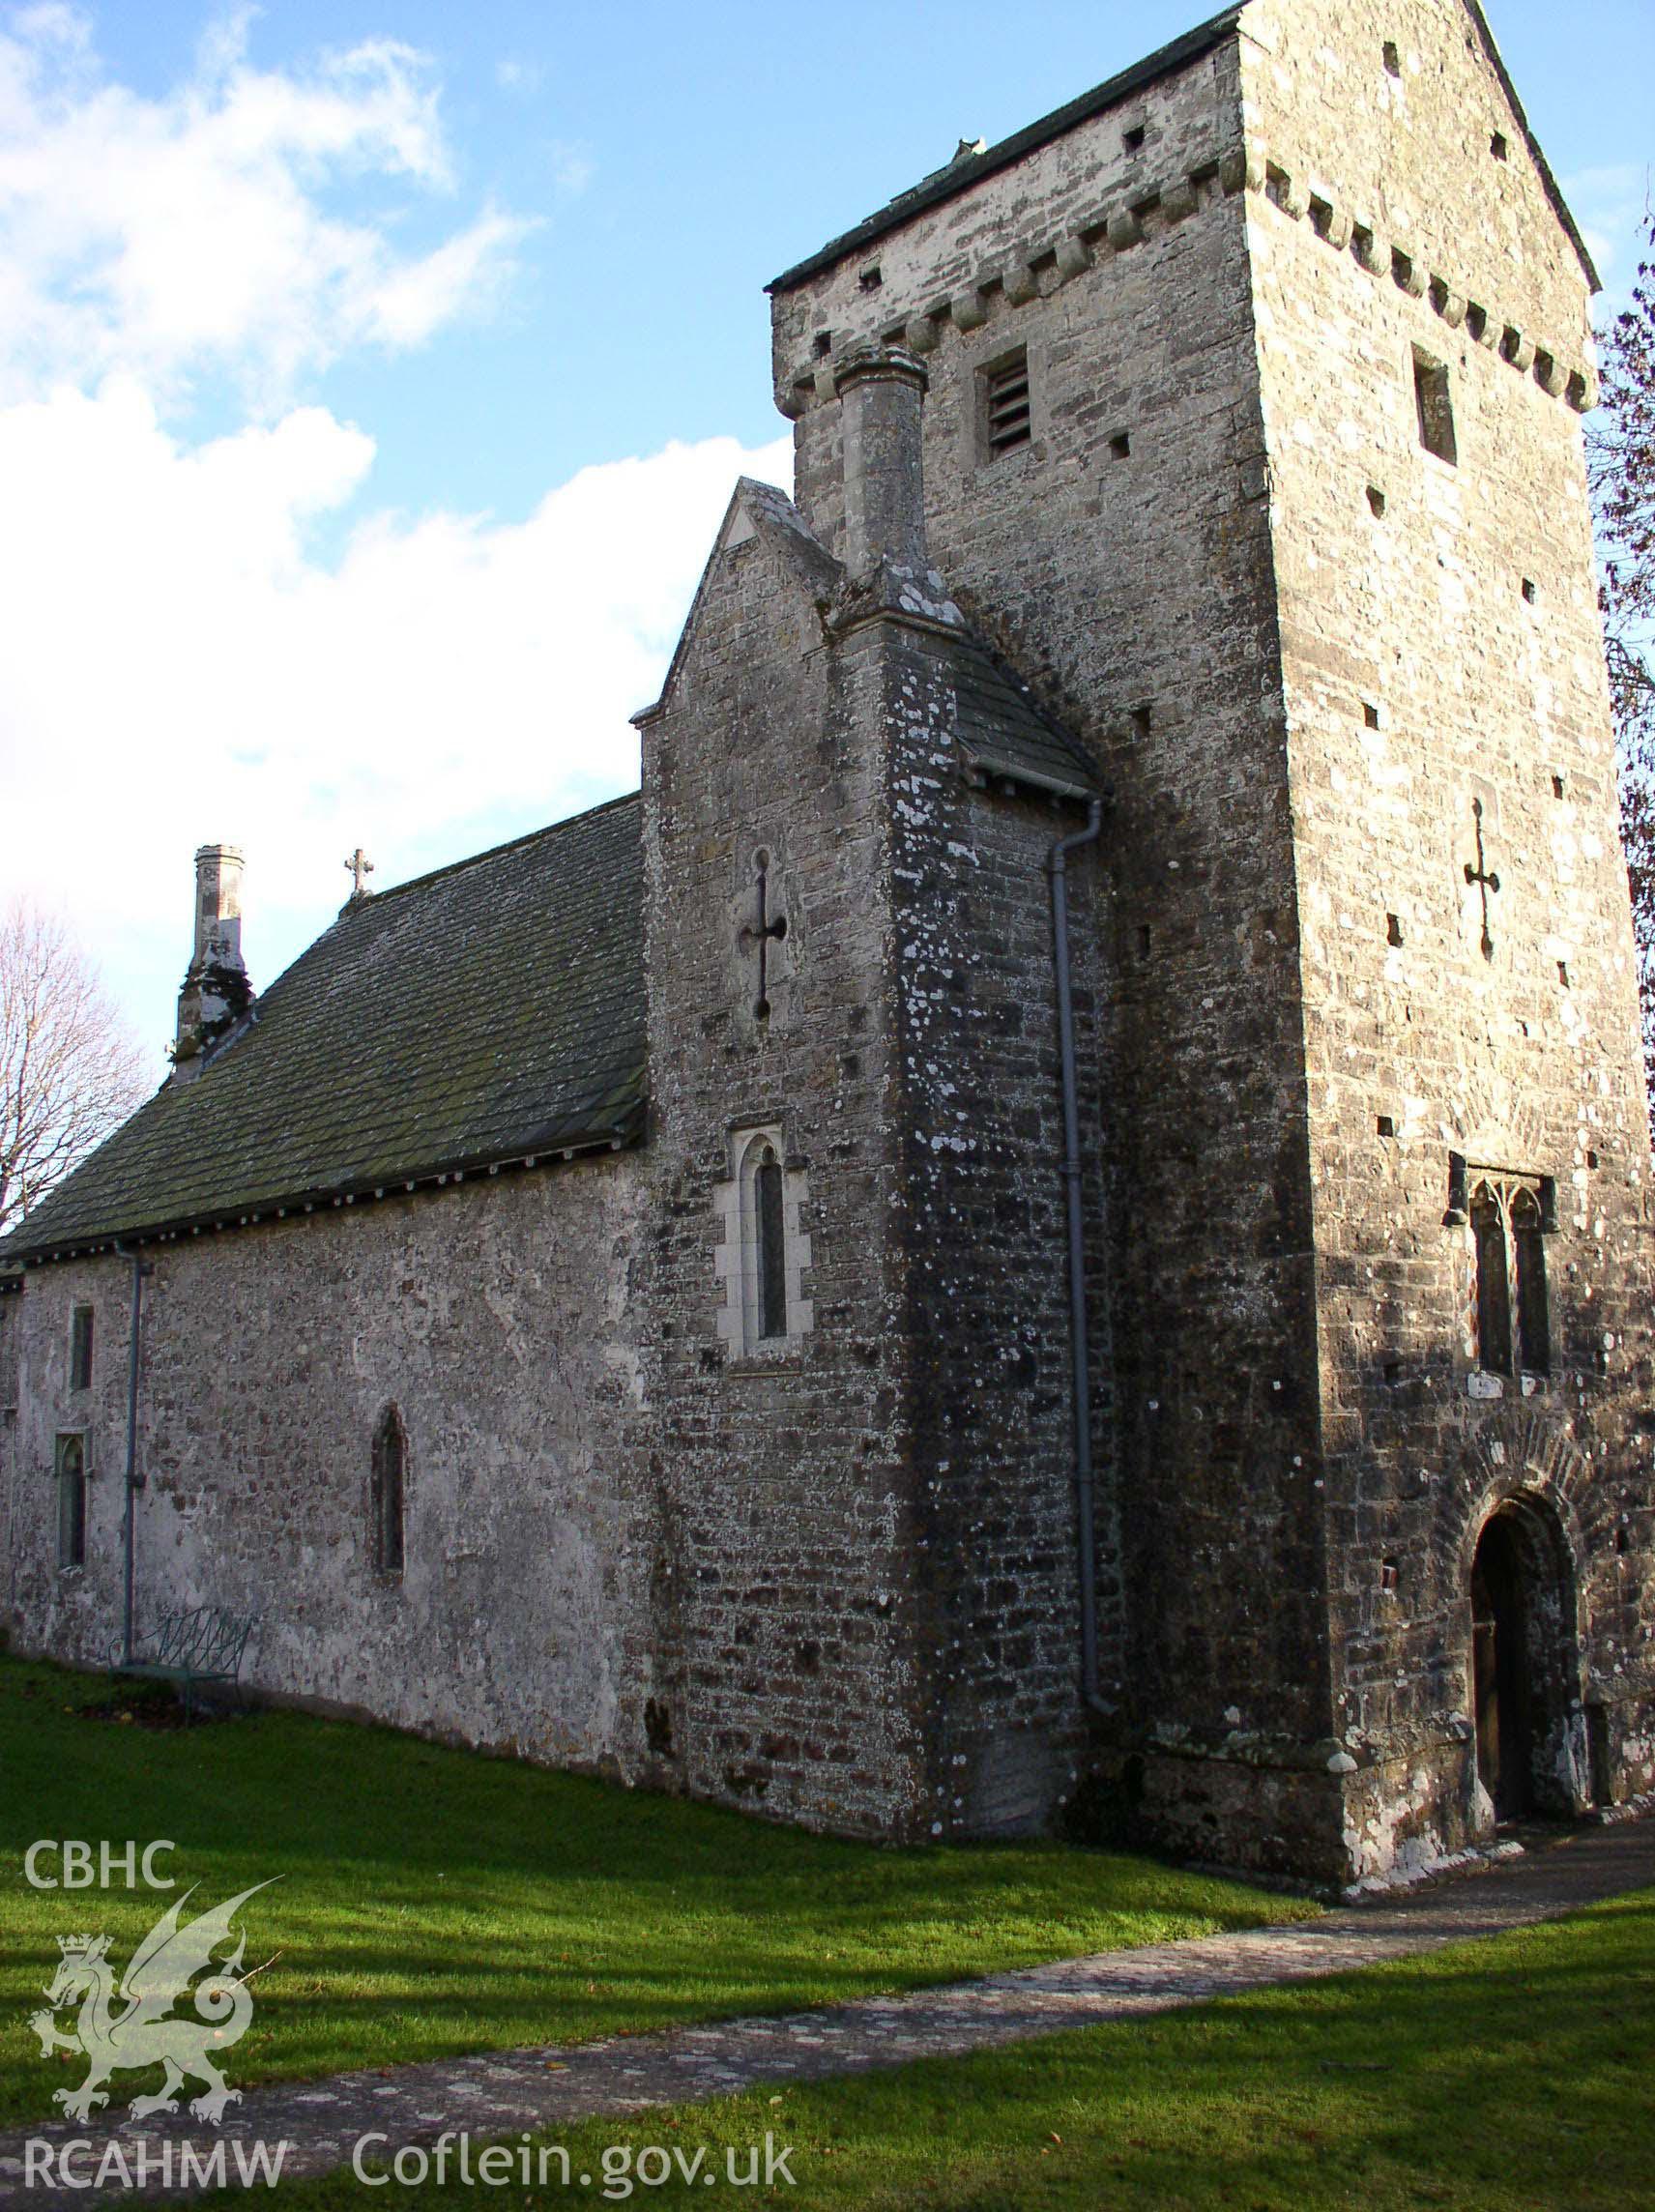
205 232
515 75
571 167
1611 203
179 670
181 665
412 301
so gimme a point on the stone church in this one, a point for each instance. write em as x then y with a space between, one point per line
1052 1221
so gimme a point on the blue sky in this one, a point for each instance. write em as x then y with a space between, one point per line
678 157
375 372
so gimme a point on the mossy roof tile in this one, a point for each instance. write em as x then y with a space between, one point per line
487 1012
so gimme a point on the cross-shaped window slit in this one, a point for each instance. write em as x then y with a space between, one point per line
763 933
1485 881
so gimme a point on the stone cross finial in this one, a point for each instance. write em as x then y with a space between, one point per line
361 867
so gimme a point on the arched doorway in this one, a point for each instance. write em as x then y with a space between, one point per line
1521 1651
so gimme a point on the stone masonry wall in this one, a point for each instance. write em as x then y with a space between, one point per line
496 1317
1441 652
1122 560
986 1310
784 1672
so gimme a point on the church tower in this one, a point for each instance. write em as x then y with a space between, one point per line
1253 443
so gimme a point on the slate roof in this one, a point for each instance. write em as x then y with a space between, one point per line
487 1012
1006 734
967 168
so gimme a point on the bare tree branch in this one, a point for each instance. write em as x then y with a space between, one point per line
68 1070
1622 461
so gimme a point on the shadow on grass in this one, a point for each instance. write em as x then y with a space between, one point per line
437 1901
1507 2076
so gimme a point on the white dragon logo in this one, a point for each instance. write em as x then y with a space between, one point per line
141 2034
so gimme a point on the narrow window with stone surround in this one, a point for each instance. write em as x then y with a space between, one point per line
81 1349
9 1307
1493 1289
387 1489
71 1471
1528 1248
769 1259
1434 407
1509 1219
766 1249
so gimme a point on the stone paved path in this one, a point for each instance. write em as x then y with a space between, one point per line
495 2094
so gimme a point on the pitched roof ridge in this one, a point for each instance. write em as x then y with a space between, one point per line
393 1055
771 509
490 853
1549 183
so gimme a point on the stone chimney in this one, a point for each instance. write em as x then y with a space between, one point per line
882 393
215 992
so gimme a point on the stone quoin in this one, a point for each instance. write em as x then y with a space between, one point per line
616 1299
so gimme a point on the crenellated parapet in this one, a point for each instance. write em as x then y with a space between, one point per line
1486 323
1042 265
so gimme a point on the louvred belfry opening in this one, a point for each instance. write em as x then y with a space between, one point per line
1008 419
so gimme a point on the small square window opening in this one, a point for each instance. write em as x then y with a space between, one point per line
1498 146
1370 715
1376 501
1392 59
1133 140
1530 590
1393 929
1120 446
1434 407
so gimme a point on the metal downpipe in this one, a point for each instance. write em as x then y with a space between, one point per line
134 1482
1056 868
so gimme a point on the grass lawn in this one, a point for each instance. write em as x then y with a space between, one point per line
1508 2076
435 1900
